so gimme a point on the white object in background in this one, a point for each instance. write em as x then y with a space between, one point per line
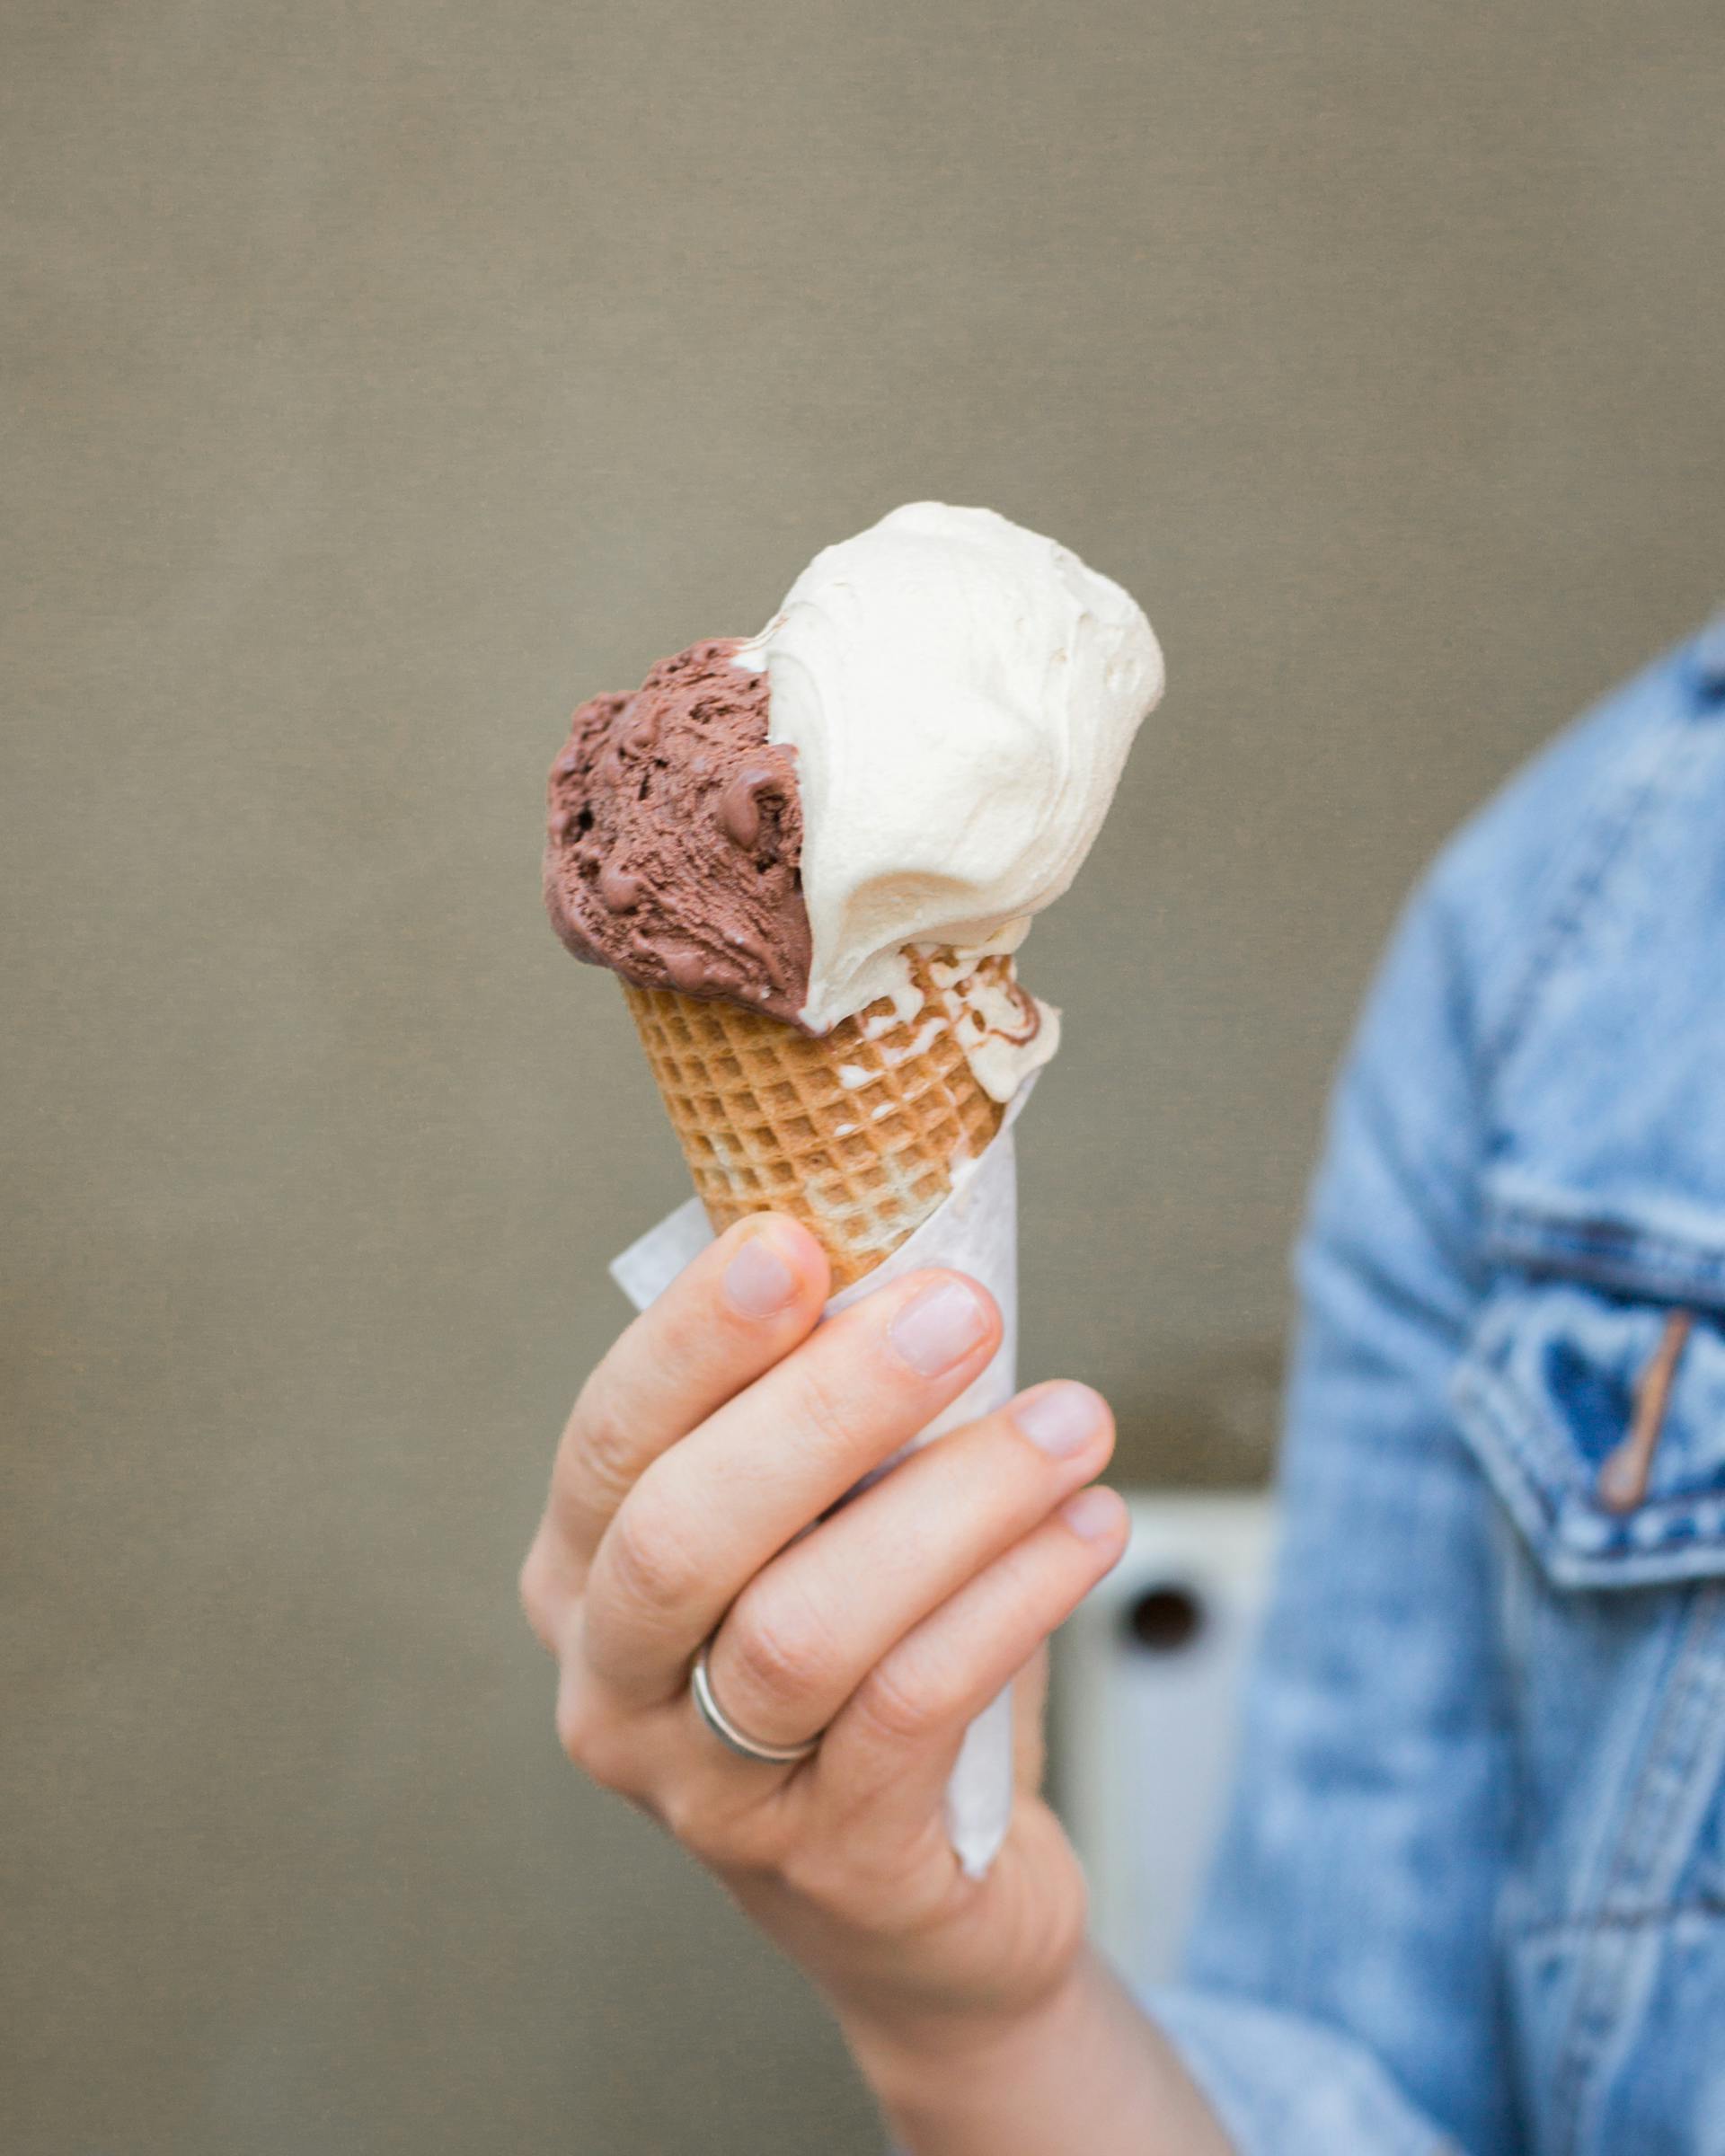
1146 1702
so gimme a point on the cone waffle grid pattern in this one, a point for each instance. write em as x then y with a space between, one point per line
858 1138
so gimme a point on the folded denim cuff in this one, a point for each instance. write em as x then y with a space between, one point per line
1284 2086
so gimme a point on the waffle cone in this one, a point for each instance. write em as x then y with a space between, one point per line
858 1134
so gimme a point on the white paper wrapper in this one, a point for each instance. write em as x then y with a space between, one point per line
975 1232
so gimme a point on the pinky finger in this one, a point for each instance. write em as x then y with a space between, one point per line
890 1751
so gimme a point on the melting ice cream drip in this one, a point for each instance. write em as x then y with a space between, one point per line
1003 1032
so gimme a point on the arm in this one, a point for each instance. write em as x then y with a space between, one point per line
690 1502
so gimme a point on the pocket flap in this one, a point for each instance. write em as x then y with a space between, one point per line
1547 1392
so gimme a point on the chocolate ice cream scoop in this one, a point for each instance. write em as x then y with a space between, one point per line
673 841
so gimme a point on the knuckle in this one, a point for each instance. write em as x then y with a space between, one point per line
754 1842
539 1599
849 1415
686 1813
822 1405
706 1818
604 1448
780 1651
577 1724
690 1322
592 1741
818 1873
739 1836
899 1703
650 1569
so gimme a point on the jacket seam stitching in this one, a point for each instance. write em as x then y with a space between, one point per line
1553 1931
1580 889
1525 1234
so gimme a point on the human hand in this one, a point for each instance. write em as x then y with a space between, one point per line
690 1502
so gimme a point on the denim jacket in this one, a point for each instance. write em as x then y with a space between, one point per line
1471 1893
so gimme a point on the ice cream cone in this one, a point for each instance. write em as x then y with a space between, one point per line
860 1133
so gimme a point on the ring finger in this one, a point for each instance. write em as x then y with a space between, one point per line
807 1631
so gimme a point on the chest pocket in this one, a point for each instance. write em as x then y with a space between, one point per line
1599 1418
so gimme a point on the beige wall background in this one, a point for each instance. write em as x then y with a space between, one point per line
382 379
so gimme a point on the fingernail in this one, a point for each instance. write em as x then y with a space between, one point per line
1093 1513
757 1280
1059 1420
939 1327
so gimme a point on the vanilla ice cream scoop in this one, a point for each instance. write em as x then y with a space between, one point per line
960 694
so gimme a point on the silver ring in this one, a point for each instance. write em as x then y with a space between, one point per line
721 1726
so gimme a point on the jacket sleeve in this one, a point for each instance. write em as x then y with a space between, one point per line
1340 1992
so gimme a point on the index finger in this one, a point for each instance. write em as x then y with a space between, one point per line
730 1316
